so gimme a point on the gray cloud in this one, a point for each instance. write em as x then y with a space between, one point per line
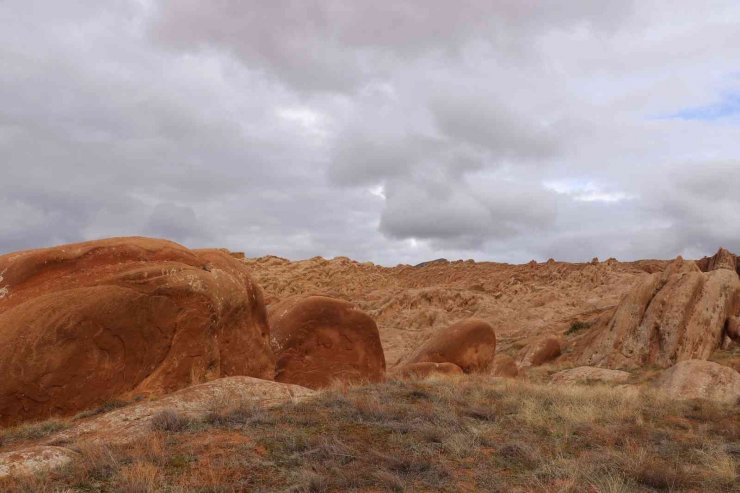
389 132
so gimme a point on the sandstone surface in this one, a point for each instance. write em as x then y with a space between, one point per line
85 323
698 379
319 340
540 351
666 317
469 344
410 303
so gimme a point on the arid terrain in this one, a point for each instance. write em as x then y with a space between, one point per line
135 364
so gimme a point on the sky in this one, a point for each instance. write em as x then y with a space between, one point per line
394 132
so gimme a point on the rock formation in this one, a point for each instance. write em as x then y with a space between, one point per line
318 340
425 369
723 259
589 374
672 316
470 344
85 323
698 379
540 351
504 366
410 304
732 328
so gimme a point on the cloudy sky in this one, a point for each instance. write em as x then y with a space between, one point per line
394 132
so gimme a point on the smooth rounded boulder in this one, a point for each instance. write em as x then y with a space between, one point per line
319 340
699 379
85 323
469 344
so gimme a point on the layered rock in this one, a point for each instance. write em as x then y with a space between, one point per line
540 351
672 316
425 369
723 259
697 379
319 340
85 323
469 344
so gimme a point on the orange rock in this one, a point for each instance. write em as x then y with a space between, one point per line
723 259
505 366
426 369
319 340
540 351
733 328
676 315
82 324
469 343
697 379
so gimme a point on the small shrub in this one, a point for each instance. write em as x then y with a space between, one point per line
169 420
31 431
577 326
103 408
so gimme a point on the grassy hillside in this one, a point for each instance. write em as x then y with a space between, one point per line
464 434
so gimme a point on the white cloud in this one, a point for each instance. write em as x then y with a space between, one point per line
387 131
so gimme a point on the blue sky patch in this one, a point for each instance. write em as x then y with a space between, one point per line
727 107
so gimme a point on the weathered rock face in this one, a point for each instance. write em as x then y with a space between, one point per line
698 379
723 259
589 374
82 324
426 369
673 316
469 343
733 328
319 340
539 352
505 366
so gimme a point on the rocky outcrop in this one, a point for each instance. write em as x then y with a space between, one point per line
697 379
542 350
672 316
732 329
469 344
504 366
86 323
319 340
723 259
586 374
127 424
424 370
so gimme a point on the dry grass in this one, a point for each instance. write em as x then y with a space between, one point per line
466 434
31 431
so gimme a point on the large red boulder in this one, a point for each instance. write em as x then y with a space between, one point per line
469 343
85 323
320 340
